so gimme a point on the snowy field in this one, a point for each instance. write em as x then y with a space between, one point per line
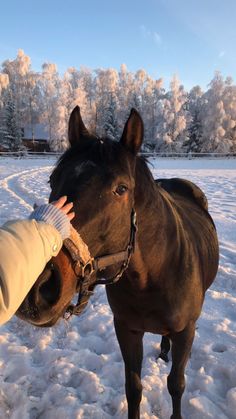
74 370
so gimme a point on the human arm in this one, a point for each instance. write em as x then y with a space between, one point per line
25 248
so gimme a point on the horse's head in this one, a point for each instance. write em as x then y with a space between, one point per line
98 176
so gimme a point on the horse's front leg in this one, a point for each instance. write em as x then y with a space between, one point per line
131 345
181 347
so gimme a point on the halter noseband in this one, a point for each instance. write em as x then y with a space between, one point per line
85 270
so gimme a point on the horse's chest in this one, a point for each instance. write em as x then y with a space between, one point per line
148 312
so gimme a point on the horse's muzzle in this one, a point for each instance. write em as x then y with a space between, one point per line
38 306
47 289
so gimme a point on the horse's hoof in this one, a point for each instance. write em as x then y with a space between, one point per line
164 356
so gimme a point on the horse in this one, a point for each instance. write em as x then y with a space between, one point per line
152 243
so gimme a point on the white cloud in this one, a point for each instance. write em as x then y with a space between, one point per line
221 54
148 34
157 38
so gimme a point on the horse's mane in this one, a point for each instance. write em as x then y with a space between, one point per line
145 183
104 150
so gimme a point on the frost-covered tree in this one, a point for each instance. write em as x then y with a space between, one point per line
50 107
63 102
24 86
153 93
4 82
195 105
229 124
173 119
135 101
84 96
87 86
17 71
110 123
219 120
4 141
10 133
70 93
140 80
59 141
124 95
32 102
106 84
214 114
137 91
13 130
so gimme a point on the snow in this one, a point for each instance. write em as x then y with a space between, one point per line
75 370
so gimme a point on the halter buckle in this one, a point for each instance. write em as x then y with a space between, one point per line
88 268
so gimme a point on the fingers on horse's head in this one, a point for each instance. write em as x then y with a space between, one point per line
131 139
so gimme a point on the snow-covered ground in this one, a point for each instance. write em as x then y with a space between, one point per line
74 370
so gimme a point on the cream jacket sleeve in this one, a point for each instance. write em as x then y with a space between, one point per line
25 248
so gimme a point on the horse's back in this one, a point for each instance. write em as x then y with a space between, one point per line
184 188
195 221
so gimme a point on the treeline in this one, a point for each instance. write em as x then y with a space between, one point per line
175 120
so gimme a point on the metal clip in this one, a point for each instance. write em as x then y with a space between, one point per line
87 269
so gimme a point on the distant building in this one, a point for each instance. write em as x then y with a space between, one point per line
3 148
35 138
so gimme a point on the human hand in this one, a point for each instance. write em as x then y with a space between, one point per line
57 213
61 204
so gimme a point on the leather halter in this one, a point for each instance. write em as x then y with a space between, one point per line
84 271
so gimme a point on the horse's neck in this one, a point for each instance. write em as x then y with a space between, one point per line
154 207
157 233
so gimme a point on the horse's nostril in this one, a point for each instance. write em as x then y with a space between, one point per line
49 291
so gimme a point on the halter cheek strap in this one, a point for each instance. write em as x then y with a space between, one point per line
86 267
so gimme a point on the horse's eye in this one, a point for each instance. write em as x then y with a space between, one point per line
121 189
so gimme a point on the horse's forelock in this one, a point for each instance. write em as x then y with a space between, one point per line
103 152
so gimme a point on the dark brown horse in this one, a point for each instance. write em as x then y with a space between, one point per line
163 273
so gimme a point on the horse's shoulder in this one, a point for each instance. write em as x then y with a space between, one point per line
184 188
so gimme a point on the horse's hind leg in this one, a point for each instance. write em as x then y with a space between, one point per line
131 345
181 347
165 348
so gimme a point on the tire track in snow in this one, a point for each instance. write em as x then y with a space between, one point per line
12 186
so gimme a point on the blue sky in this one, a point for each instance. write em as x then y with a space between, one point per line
191 38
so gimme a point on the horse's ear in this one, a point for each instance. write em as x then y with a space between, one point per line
77 129
132 136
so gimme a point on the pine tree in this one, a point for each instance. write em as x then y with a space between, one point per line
195 104
10 134
5 143
110 124
18 74
106 84
4 81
